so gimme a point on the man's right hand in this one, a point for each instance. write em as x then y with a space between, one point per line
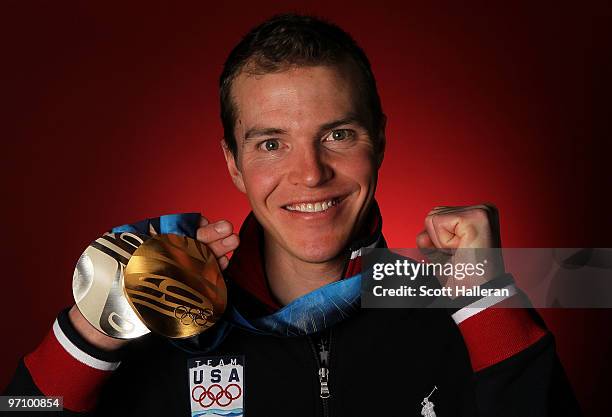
219 237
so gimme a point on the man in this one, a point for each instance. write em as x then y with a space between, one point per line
304 137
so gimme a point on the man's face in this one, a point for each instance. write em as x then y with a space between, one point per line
305 158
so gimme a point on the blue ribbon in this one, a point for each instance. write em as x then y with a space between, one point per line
184 224
311 313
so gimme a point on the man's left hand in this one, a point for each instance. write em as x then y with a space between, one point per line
451 233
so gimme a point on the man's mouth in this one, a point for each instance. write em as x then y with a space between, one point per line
313 206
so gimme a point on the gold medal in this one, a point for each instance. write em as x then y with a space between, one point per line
175 286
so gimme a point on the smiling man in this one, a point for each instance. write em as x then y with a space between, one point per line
307 159
304 138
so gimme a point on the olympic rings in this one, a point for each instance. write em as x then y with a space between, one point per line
191 315
216 397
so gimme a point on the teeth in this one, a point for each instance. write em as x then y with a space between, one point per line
313 207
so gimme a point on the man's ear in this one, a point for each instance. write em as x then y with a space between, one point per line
232 167
382 141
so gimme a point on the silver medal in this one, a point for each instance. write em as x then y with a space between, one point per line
98 282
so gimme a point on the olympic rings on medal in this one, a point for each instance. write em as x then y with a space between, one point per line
216 394
188 315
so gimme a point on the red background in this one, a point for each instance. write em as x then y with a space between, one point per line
110 116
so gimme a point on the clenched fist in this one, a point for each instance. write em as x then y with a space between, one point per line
465 234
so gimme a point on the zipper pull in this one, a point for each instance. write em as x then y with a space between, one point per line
323 373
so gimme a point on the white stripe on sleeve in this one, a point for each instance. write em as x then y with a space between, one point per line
78 354
482 304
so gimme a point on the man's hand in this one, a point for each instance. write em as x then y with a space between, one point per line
452 232
219 237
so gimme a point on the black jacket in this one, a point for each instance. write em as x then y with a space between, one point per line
380 362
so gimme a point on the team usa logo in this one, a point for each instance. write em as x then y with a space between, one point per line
216 386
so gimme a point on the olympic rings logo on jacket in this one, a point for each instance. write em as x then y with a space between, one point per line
216 394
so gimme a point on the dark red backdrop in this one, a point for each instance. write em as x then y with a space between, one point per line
111 116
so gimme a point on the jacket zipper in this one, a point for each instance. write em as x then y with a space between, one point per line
322 349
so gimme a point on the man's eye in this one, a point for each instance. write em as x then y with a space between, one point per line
270 145
341 134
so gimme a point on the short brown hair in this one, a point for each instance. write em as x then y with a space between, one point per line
295 40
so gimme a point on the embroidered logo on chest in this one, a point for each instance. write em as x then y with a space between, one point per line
428 406
216 386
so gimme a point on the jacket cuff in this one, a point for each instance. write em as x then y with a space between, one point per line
64 353
496 328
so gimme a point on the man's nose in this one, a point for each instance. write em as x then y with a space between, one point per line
308 167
